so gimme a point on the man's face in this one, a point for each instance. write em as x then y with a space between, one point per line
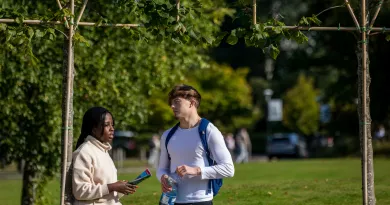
108 130
181 107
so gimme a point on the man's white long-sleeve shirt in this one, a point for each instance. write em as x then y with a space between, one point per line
185 148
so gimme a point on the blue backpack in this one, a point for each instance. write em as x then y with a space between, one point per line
215 184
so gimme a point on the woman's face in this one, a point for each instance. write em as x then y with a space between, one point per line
108 130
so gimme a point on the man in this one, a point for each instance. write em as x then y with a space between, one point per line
187 155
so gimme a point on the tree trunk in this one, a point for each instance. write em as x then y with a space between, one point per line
29 185
67 121
365 125
67 116
364 81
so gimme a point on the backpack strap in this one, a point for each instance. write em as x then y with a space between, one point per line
202 133
170 134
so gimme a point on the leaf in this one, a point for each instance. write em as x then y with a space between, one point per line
315 20
193 35
240 32
52 31
176 40
3 26
19 19
274 51
277 29
177 27
99 22
162 14
232 38
220 38
159 2
39 33
248 41
10 34
388 37
19 40
79 38
208 39
260 43
30 32
304 21
183 28
299 37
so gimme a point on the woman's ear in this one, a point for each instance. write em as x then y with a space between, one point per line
94 130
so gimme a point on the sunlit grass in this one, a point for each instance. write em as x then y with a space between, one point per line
309 182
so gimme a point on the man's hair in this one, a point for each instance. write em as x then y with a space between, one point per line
185 91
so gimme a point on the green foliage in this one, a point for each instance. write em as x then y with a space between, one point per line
31 113
307 21
226 99
301 110
269 34
388 37
160 19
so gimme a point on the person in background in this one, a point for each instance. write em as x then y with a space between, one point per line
154 151
380 133
243 134
230 143
241 148
94 179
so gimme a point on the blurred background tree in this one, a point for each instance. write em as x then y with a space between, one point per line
301 109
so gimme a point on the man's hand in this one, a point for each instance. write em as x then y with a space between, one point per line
187 170
165 187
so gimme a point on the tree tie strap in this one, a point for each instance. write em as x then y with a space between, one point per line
67 128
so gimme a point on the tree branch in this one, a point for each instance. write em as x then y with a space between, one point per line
178 8
66 21
378 8
80 23
333 7
352 14
81 14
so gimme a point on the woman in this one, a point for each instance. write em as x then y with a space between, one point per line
94 174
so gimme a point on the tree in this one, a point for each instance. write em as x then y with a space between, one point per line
301 110
226 96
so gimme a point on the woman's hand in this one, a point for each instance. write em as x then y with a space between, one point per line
122 187
165 187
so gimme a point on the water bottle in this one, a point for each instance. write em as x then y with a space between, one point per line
169 198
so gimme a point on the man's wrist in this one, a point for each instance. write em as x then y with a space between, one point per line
198 171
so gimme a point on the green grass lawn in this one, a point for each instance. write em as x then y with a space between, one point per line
308 182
